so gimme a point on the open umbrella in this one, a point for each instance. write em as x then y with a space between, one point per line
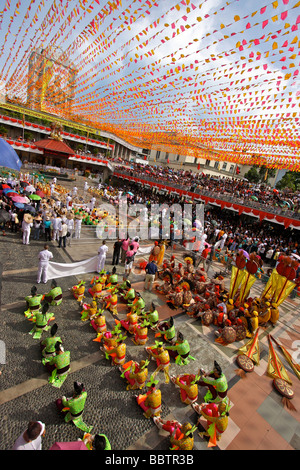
4 216
76 445
8 156
19 205
30 188
22 199
40 193
254 198
34 197
29 208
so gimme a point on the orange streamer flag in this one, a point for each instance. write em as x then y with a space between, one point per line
275 368
251 349
287 355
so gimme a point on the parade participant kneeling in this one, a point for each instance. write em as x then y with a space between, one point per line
89 310
48 344
33 303
188 387
181 350
167 330
141 333
96 442
216 416
216 383
135 373
54 297
73 407
61 363
42 320
181 436
150 402
115 349
162 358
78 291
151 317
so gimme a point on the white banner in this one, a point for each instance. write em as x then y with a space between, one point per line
56 270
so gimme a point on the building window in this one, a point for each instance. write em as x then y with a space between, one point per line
157 154
224 166
216 165
207 163
178 157
231 168
167 156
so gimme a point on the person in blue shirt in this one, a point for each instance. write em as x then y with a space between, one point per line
151 274
47 228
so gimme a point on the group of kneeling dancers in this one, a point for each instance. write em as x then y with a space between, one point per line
106 292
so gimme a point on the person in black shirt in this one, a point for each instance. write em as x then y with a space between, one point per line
116 252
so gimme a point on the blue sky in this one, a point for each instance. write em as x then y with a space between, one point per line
165 65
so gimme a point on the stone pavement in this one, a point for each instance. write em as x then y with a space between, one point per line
258 420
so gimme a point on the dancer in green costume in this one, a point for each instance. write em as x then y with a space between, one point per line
42 320
48 344
33 303
151 317
61 362
216 383
54 297
181 350
73 407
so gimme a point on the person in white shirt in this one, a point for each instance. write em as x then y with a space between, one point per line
102 256
92 203
55 226
26 228
77 223
74 192
44 257
86 186
31 439
62 233
70 224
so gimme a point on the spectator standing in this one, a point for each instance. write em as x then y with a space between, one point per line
62 233
26 228
44 257
151 274
102 252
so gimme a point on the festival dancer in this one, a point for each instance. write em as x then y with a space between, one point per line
162 358
135 373
42 320
150 402
54 297
188 387
48 344
181 436
216 416
33 303
181 350
216 383
61 362
73 407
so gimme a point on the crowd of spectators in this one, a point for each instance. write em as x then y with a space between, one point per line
241 190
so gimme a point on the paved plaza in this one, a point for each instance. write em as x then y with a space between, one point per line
258 420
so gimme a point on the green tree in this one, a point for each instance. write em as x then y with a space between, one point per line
252 175
290 180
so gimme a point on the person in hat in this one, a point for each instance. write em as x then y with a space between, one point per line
27 224
44 257
37 225
77 225
73 407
